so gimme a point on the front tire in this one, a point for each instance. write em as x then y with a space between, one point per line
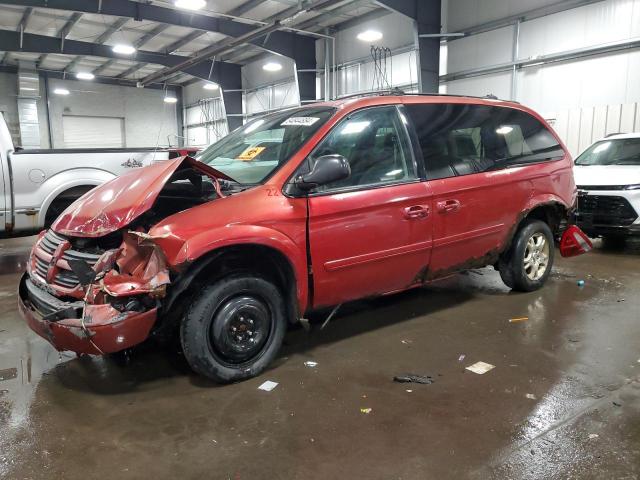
234 328
527 264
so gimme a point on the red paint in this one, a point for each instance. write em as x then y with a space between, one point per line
574 242
362 243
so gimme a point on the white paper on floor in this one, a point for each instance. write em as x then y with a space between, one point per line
480 367
268 386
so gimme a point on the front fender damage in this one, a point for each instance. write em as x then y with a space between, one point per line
122 294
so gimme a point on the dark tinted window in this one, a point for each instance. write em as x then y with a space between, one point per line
459 139
375 144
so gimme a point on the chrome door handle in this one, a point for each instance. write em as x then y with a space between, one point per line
416 211
448 206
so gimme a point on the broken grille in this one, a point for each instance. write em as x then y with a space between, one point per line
45 251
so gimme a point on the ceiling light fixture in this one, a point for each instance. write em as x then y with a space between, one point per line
168 99
124 49
190 4
85 76
61 91
210 86
272 67
370 36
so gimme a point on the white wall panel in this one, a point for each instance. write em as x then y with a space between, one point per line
397 31
466 13
627 117
286 95
497 84
476 51
586 128
595 24
613 119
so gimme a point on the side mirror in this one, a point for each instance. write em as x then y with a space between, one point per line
327 169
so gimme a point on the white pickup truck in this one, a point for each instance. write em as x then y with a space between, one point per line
37 185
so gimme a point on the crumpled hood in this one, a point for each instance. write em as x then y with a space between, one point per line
606 175
115 204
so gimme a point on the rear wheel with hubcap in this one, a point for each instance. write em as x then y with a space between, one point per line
527 264
234 328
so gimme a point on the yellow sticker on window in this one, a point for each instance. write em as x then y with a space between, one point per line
250 153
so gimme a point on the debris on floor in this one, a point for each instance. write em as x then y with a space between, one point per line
461 357
412 378
408 390
268 386
518 319
593 435
480 367
530 396
366 410
406 342
580 283
310 364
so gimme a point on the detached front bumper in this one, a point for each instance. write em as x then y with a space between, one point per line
81 327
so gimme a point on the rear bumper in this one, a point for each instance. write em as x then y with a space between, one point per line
83 328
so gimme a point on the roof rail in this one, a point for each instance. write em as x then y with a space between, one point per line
614 133
397 91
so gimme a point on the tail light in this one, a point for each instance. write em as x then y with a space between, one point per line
574 242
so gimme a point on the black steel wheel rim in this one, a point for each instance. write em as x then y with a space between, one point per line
240 329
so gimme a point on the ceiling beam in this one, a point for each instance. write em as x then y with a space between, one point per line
132 69
244 8
331 14
63 33
151 34
280 42
183 41
106 35
10 42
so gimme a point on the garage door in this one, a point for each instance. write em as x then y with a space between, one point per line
93 132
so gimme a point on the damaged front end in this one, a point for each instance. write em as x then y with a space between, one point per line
95 281
93 303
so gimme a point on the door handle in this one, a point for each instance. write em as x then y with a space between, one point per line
416 211
448 206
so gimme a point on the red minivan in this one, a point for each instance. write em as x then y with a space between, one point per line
301 209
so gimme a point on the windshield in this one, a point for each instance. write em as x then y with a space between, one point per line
251 153
624 151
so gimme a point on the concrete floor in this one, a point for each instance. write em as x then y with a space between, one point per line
563 400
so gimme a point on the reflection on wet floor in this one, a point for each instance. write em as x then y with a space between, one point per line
563 400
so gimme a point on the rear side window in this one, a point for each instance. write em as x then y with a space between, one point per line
459 139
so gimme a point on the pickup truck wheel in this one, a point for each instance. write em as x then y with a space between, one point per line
527 264
234 328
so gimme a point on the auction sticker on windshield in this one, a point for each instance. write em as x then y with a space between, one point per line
302 121
250 153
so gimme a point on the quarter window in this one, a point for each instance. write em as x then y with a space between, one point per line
375 144
459 139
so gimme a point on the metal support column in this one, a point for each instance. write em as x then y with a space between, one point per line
426 16
304 56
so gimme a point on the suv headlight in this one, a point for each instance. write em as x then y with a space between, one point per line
632 187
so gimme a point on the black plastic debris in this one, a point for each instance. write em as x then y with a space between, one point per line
412 378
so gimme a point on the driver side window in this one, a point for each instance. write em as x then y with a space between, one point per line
375 144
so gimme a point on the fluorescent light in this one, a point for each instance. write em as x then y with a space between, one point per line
272 67
61 91
123 49
85 76
210 86
190 4
170 99
504 130
370 36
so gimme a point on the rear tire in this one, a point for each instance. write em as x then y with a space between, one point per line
527 264
234 328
